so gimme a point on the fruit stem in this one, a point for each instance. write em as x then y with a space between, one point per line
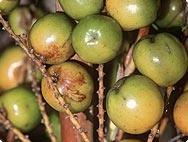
153 133
42 68
100 103
36 90
9 126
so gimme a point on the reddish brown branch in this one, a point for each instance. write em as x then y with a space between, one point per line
100 104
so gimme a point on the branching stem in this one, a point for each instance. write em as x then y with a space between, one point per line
38 63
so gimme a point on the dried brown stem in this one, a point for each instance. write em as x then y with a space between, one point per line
10 127
128 61
10 136
100 104
42 68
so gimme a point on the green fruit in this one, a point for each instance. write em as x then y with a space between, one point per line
82 8
12 67
56 126
171 14
73 82
22 17
50 36
133 14
20 20
134 104
22 108
180 113
6 6
162 58
97 39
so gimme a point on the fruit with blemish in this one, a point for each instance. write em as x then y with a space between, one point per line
74 83
50 37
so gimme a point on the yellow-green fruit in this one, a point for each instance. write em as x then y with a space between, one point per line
180 113
73 82
133 14
12 67
162 58
6 6
22 108
82 8
135 104
20 20
50 36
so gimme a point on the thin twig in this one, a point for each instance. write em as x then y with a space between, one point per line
153 133
100 104
45 118
176 138
42 68
165 120
10 127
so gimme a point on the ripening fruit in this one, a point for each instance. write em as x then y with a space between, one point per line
97 39
162 58
73 82
78 9
134 104
22 108
133 14
180 113
50 36
12 67
6 6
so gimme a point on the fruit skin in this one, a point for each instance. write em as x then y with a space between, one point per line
12 67
22 108
6 6
133 14
50 36
171 14
74 82
162 58
82 8
97 39
180 113
132 101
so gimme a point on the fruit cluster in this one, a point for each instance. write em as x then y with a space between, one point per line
132 54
